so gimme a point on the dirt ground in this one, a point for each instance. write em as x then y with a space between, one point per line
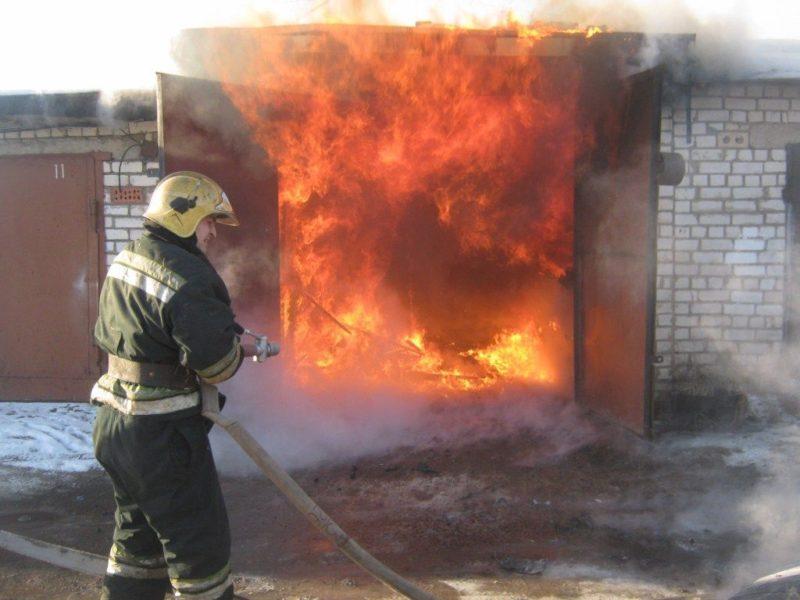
506 517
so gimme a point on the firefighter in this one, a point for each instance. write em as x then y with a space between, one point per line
166 322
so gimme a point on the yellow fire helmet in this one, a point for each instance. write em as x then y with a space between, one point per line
184 198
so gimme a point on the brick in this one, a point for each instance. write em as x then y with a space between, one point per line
717 232
773 116
739 335
128 166
709 257
143 181
74 131
705 358
717 167
753 219
699 180
770 335
713 192
740 104
773 297
749 270
739 320
687 269
774 166
747 297
706 308
127 223
749 284
767 284
685 296
738 116
753 180
706 102
749 244
753 348
714 321
705 141
690 346
775 270
710 205
755 116
115 180
681 219
717 244
137 210
712 219
773 310
741 258
699 283
714 295
739 309
116 234
699 231
771 179
744 193
715 270
716 115
773 104
706 154
743 168
43 133
115 209
717 180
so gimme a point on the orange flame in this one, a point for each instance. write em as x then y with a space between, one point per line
426 187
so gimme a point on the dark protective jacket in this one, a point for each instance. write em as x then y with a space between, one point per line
162 302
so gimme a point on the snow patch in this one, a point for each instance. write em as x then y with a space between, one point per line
47 436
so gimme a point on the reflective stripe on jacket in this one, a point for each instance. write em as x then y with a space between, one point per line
163 302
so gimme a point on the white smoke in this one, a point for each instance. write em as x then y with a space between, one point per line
136 39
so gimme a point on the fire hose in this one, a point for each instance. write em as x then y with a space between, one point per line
92 564
302 502
294 493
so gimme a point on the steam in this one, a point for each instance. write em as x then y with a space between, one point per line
301 429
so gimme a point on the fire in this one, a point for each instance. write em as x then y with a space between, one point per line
425 198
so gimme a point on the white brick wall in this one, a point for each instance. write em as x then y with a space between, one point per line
722 231
123 222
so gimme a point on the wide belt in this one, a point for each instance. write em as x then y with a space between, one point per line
151 374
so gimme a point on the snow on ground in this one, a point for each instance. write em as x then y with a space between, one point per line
47 436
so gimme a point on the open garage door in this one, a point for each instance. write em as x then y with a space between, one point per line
615 237
200 130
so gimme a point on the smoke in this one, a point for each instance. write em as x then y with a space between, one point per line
301 429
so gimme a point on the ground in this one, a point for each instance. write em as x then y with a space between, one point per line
520 514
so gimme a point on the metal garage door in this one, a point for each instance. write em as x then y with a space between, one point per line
49 267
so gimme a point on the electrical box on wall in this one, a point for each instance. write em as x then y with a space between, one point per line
733 139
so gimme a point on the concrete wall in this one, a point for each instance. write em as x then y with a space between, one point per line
722 256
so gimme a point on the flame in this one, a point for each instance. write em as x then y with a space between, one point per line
425 202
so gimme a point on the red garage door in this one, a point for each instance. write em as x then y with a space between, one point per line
49 267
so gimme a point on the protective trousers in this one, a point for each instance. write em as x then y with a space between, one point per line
171 526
